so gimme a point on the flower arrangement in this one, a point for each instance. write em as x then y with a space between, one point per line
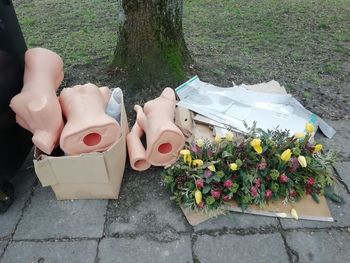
266 166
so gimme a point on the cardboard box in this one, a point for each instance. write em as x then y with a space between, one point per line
85 176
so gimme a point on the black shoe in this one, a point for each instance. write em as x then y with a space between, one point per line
7 196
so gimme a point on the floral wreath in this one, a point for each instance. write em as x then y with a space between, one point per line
265 166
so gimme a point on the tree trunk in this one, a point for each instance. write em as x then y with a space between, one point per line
151 49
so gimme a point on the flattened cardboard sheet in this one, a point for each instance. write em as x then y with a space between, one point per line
306 208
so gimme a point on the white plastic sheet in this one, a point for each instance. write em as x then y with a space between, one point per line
234 105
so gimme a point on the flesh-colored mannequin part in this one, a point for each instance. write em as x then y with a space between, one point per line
164 139
88 127
37 107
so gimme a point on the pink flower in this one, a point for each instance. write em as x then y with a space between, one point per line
268 178
257 182
292 193
215 193
199 183
207 173
209 153
268 194
228 183
194 148
294 164
262 165
310 181
253 191
283 178
227 198
201 205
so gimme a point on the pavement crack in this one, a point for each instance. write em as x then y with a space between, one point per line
340 180
24 208
292 254
194 238
238 231
97 259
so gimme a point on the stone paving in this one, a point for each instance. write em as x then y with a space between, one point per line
143 225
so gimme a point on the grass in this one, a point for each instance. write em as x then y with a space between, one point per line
304 44
80 31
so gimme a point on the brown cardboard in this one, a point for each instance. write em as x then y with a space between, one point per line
306 208
85 176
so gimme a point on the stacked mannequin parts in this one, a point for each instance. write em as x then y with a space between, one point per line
163 138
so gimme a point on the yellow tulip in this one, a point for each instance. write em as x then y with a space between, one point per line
185 152
217 138
229 136
309 128
258 149
299 135
198 197
200 143
318 148
197 163
285 156
212 167
255 142
187 156
233 166
302 161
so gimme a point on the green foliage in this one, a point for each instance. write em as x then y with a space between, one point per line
239 172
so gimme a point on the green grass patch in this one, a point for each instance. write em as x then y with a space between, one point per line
79 31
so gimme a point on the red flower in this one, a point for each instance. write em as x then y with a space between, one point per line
227 198
292 193
257 182
228 183
253 191
310 181
283 178
268 178
199 183
201 205
215 193
268 194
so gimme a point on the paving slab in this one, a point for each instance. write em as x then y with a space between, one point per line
46 217
233 220
337 142
343 169
144 205
236 248
143 249
25 251
340 213
23 183
330 246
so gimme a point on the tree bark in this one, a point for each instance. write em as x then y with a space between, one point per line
151 49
